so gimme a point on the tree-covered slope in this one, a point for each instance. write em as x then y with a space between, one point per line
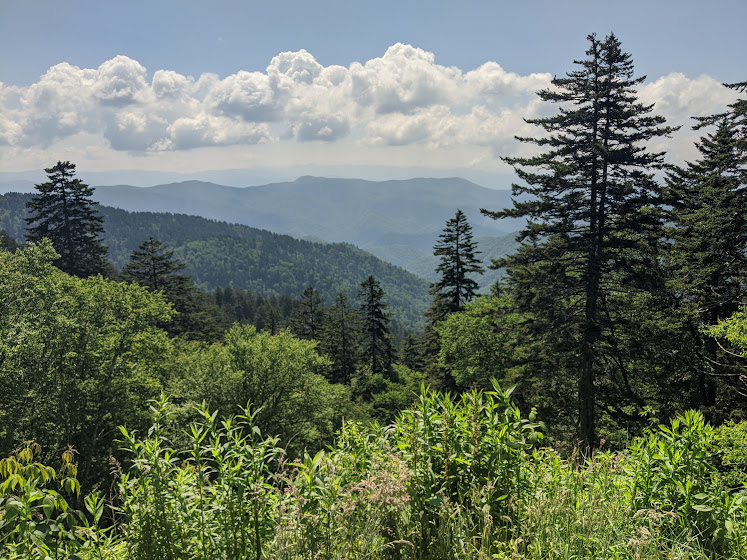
221 254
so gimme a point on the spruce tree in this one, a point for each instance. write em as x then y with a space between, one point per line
458 261
308 317
594 222
7 242
708 262
154 267
64 213
377 343
339 339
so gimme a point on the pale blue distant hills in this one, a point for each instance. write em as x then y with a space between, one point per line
399 221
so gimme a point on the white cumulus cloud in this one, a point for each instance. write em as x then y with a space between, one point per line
403 98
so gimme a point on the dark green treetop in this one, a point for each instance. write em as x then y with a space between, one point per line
308 316
708 259
459 260
64 213
377 343
593 214
339 339
7 242
154 267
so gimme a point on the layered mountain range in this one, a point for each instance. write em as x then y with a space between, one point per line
398 221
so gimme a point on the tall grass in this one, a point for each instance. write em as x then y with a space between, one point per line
451 478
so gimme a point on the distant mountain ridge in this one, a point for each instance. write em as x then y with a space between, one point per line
399 221
349 210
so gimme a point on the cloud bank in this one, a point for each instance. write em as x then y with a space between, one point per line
403 98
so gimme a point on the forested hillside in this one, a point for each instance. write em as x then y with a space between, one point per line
217 254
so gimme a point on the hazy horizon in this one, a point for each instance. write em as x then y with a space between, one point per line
242 94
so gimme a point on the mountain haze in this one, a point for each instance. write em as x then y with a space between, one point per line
399 221
366 213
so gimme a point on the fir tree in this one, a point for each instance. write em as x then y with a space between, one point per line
7 242
154 267
339 339
594 221
459 260
410 354
708 198
377 343
64 213
307 319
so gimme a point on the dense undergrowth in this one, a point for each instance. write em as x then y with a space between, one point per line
453 477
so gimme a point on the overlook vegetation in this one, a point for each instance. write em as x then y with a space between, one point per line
590 404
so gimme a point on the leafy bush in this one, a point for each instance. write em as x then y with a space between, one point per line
730 442
465 459
36 520
672 472
216 502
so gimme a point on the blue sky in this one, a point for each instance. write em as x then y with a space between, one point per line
281 88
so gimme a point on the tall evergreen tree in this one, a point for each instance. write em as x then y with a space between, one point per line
377 343
7 242
308 317
154 267
64 213
459 260
594 219
708 198
339 339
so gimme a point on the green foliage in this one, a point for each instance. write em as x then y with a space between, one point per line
457 267
279 375
217 504
730 442
382 397
154 267
339 340
594 225
464 454
64 213
450 479
733 329
672 472
708 257
77 357
378 350
36 521
477 343
7 242
271 313
309 315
